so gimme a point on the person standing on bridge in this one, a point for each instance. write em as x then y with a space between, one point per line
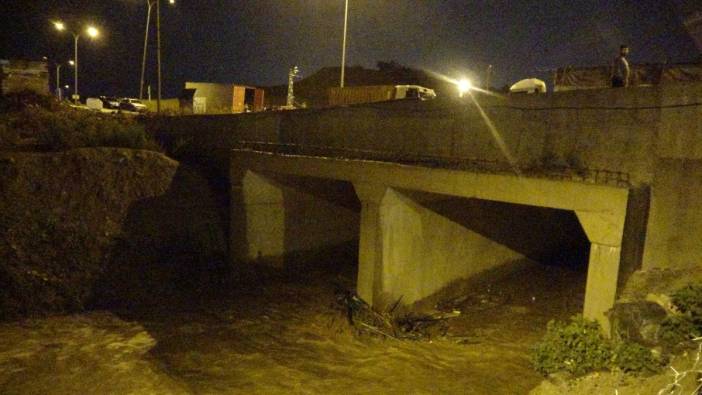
620 69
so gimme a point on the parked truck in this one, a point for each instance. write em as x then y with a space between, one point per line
377 93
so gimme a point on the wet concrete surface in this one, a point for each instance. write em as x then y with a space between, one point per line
284 335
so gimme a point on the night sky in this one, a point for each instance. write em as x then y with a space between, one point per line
256 41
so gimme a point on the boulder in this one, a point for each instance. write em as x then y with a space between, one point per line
638 322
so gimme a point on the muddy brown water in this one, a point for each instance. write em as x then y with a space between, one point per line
285 337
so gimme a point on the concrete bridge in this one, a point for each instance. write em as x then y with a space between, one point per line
439 191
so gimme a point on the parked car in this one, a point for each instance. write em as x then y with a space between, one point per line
133 105
110 103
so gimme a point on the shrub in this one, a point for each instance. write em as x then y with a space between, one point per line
689 301
632 357
677 329
69 128
17 101
576 347
687 325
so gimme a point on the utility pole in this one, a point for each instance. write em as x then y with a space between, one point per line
158 55
149 4
343 46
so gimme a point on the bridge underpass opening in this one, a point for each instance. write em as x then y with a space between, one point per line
295 223
437 247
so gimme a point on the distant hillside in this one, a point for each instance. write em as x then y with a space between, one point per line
313 90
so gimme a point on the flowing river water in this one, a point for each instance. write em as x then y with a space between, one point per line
283 335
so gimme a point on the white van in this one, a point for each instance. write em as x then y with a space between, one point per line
529 85
94 104
414 92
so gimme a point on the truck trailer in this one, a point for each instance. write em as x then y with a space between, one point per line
377 93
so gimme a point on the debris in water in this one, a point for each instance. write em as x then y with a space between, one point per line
410 326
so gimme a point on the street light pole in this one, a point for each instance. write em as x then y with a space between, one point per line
343 49
75 69
149 4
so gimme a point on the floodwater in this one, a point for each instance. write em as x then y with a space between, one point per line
288 337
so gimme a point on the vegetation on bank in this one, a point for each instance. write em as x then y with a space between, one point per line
578 347
28 119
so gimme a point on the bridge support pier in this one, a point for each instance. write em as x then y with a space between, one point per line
605 232
273 222
409 252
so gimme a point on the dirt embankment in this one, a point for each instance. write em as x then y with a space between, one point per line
103 227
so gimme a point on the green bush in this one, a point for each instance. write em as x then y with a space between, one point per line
576 347
634 358
687 325
677 329
689 301
68 128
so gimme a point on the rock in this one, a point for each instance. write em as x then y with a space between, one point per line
637 322
664 301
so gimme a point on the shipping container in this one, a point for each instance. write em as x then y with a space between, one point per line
360 94
213 98
377 93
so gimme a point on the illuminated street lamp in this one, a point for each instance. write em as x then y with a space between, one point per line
90 31
464 86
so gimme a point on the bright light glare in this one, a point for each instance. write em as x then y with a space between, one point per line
59 26
496 135
171 2
92 31
71 63
464 86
